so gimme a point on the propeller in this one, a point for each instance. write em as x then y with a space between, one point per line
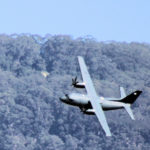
74 81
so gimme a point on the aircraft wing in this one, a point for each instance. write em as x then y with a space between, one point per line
94 99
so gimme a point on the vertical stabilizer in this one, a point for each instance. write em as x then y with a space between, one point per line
131 98
122 93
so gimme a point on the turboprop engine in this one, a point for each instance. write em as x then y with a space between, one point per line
89 112
77 84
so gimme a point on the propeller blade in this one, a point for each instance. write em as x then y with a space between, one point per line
74 81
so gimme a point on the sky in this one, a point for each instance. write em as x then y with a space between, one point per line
104 20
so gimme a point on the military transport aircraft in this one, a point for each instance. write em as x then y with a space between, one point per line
91 103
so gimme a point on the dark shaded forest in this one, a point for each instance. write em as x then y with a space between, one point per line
35 71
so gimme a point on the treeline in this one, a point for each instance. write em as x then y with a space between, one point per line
35 71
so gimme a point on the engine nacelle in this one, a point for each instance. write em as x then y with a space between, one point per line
80 85
89 112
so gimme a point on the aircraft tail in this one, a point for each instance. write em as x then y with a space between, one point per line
130 99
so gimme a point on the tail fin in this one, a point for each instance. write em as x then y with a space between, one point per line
122 93
130 99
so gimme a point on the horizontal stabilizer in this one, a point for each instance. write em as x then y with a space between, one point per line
128 109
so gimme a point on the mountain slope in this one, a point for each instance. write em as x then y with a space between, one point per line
31 115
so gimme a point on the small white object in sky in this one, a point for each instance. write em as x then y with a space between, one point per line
44 73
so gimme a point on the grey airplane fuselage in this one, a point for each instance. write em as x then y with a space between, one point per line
83 101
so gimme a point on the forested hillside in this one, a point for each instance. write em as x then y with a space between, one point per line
33 118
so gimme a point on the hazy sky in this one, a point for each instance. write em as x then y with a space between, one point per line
119 20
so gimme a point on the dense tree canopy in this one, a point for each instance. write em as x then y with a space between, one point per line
33 118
